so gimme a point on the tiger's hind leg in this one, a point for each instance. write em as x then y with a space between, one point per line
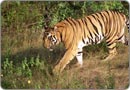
112 51
123 39
112 46
126 41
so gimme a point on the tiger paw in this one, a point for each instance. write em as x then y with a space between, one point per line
108 58
56 70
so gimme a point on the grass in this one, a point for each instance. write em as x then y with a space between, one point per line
26 64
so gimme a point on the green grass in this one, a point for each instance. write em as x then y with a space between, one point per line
34 70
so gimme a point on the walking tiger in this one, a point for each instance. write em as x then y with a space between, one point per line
92 29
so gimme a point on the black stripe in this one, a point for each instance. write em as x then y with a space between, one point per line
102 18
94 16
74 22
92 42
79 24
83 40
109 43
114 20
71 23
89 40
105 18
83 27
61 37
120 37
86 42
116 23
98 21
97 15
87 27
108 22
82 21
95 28
100 24
80 52
127 23
119 22
54 39
96 40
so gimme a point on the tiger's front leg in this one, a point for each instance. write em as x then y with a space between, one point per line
79 57
69 55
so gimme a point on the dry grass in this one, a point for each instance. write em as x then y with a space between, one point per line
102 75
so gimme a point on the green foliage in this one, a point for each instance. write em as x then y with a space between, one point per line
8 66
23 69
20 15
79 9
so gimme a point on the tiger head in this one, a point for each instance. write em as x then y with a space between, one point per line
51 38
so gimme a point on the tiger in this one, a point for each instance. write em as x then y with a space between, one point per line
89 30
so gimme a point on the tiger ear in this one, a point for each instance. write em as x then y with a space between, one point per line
48 34
55 28
58 25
